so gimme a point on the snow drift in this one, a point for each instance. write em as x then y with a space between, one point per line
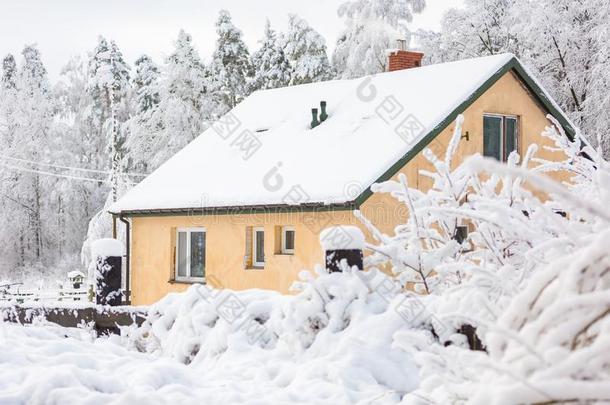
333 340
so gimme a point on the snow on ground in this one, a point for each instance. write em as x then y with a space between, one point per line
311 350
41 365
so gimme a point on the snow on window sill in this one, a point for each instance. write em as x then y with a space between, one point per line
187 281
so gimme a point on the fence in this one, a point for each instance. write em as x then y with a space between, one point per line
102 319
15 293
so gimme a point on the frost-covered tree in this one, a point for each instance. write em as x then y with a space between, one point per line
109 87
81 145
25 133
231 67
146 84
371 28
143 126
9 71
564 42
8 94
184 107
480 28
306 52
185 97
36 119
271 66
13 213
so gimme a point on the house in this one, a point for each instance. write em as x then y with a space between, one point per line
242 205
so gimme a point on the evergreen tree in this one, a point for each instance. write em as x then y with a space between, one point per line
306 52
173 106
185 80
146 84
8 94
9 71
371 28
144 127
271 65
231 65
109 87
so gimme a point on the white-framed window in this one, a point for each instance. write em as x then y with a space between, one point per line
288 240
258 247
190 254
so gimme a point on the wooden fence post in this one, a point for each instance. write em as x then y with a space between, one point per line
108 256
343 244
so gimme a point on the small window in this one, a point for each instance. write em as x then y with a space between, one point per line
500 136
190 254
288 240
258 247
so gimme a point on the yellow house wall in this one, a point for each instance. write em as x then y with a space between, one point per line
153 238
153 241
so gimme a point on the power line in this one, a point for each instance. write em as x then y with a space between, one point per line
67 167
51 174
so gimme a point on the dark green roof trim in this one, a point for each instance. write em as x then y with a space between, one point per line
239 210
512 65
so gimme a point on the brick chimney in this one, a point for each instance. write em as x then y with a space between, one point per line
402 59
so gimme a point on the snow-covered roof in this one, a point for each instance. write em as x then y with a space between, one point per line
75 273
373 123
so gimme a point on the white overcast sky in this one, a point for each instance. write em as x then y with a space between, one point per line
62 28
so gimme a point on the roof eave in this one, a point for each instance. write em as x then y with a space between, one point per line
235 210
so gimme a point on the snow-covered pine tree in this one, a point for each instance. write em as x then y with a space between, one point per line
8 94
231 67
371 28
271 66
9 71
185 105
306 52
186 86
143 126
109 87
146 84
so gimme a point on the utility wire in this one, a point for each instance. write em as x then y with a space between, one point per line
67 167
66 176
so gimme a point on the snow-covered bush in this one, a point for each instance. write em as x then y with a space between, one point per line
477 235
335 335
548 342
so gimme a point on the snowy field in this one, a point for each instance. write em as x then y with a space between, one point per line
41 365
190 354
